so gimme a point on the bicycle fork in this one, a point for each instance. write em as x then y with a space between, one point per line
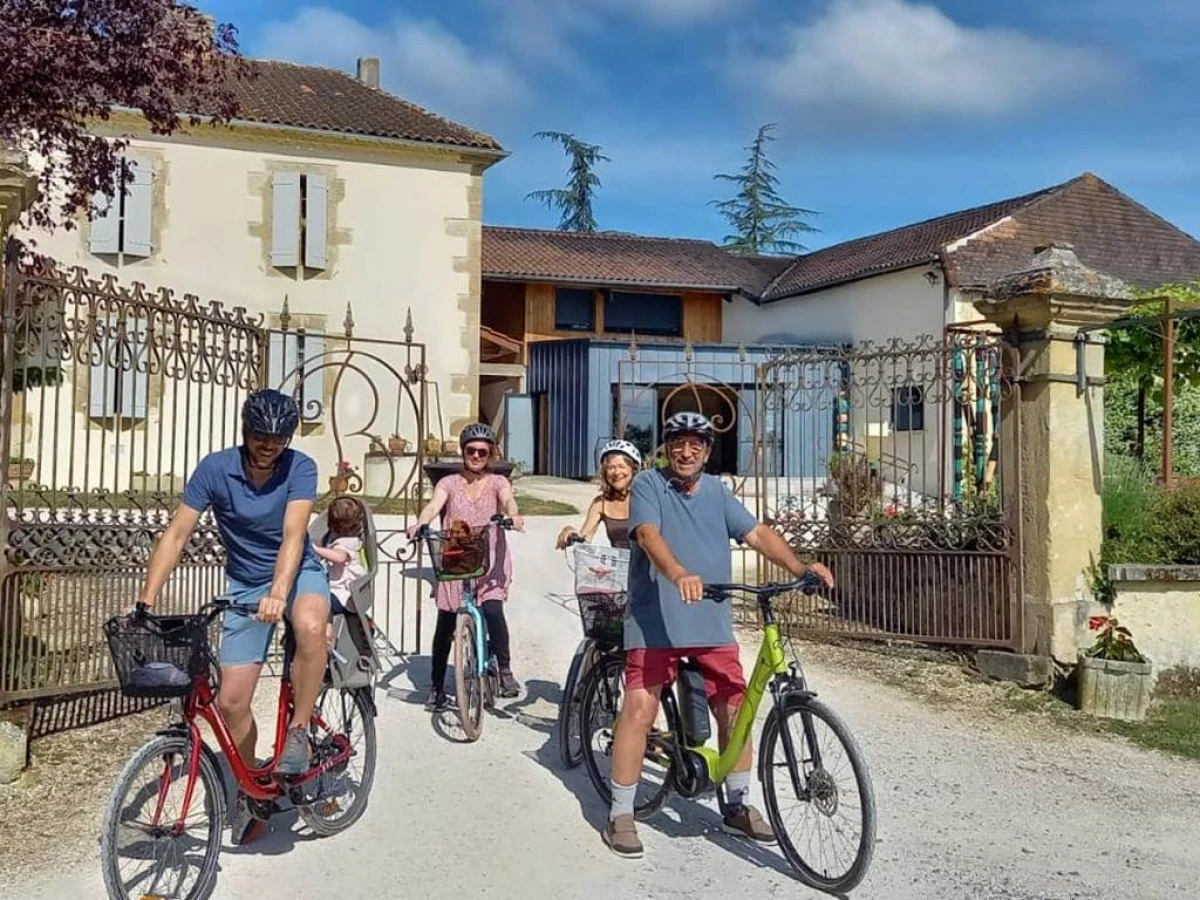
779 697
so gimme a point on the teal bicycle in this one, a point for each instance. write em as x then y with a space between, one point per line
465 558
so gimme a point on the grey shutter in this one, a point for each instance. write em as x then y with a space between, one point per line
103 376
134 380
105 234
312 400
139 206
282 361
285 219
316 217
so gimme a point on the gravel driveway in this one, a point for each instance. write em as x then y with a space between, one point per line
971 805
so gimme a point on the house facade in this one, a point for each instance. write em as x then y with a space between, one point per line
326 199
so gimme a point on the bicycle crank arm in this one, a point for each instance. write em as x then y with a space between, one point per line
342 757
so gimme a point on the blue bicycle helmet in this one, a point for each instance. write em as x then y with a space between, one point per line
270 412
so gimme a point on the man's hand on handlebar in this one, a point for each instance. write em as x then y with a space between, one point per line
820 570
691 587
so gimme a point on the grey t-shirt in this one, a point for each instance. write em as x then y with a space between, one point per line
697 527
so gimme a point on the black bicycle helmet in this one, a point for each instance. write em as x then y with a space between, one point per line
270 412
477 432
688 423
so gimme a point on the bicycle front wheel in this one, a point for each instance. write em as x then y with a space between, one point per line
826 827
150 844
468 685
602 692
570 741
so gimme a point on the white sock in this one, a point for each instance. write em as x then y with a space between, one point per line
622 802
737 789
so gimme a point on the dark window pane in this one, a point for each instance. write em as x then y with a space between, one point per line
574 310
644 314
908 408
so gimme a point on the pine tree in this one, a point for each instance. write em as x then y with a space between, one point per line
574 202
762 222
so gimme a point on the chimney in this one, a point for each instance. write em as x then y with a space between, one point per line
368 71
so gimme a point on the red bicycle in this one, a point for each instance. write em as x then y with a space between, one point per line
161 835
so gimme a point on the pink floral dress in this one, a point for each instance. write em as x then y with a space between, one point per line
477 513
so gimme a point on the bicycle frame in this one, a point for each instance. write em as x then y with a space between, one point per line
481 639
257 782
771 663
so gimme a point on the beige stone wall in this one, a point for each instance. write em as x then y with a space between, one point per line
1161 607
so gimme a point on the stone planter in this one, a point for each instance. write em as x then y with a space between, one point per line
20 470
1113 689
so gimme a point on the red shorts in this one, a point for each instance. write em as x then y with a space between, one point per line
655 666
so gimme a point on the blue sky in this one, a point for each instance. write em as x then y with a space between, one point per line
888 111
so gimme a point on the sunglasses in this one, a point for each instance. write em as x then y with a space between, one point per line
478 452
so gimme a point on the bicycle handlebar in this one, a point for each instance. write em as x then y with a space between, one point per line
808 583
425 531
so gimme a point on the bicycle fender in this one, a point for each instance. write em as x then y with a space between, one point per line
369 697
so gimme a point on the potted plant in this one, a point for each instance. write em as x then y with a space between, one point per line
450 447
432 445
340 483
20 469
397 445
1115 679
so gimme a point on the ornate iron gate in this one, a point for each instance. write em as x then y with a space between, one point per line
903 499
110 397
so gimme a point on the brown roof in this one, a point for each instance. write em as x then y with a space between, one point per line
283 93
1110 232
900 248
622 259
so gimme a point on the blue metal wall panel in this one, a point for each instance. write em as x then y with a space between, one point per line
558 369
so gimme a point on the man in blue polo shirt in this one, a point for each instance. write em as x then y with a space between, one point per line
262 496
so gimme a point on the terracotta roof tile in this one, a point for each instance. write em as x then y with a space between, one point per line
283 93
899 248
608 258
1110 232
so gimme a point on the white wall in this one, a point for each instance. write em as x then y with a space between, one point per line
402 234
894 305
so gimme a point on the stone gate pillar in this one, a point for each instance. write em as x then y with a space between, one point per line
1059 444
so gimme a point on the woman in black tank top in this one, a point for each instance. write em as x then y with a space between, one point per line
620 461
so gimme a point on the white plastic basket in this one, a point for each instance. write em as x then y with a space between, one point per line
599 570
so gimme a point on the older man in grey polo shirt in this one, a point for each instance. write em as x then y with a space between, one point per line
682 522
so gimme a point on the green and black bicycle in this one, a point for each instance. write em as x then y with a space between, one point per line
812 771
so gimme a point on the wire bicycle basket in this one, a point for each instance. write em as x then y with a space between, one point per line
458 556
601 583
158 656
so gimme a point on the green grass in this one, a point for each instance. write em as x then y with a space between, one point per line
384 506
1172 725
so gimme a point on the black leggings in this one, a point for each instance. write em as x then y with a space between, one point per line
443 638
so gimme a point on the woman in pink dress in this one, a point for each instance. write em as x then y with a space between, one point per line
474 497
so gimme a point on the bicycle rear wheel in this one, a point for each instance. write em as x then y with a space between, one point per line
824 750
602 691
570 740
338 798
148 846
468 685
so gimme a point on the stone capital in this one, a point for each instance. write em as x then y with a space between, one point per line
1055 289
18 186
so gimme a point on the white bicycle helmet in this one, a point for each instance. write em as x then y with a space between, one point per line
619 446
688 423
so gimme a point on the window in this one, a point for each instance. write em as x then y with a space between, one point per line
574 309
299 212
908 408
118 380
644 314
295 357
122 224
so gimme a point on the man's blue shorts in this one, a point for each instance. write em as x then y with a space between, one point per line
244 639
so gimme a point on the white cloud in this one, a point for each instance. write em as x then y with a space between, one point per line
420 61
895 58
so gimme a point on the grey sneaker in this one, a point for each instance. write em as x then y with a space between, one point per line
747 822
509 686
438 701
295 757
620 834
244 825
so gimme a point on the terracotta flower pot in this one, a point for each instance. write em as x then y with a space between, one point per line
397 445
339 484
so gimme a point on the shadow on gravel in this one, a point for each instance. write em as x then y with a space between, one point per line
679 818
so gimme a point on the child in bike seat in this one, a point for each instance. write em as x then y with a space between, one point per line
341 549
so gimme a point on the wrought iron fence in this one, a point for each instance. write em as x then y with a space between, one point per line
111 396
900 489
